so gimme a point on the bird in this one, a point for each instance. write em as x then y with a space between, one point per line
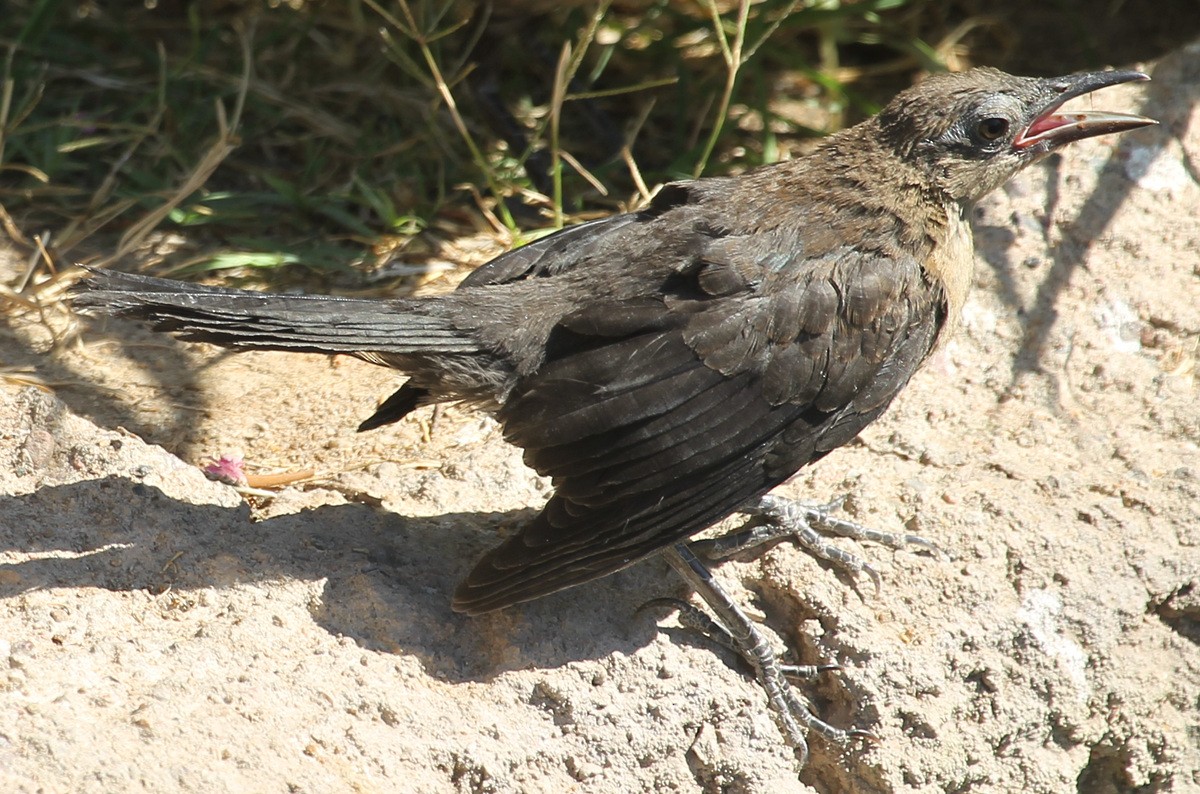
669 366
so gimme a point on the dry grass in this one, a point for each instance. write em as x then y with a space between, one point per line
351 143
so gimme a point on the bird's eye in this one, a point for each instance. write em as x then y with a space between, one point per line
991 129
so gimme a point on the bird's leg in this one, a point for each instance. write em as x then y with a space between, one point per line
792 712
692 618
774 518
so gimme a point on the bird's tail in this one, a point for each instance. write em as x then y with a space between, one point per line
250 320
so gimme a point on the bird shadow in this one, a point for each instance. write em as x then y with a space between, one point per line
1113 189
386 579
177 372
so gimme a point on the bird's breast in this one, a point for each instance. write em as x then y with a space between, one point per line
951 264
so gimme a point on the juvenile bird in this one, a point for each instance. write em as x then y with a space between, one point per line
670 366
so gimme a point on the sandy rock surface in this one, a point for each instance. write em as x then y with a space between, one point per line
161 632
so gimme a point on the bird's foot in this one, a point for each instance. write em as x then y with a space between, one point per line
734 630
775 518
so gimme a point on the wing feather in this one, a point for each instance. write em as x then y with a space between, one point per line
656 421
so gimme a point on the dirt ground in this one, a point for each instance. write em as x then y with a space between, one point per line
162 632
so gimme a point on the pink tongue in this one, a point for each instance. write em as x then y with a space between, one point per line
1045 124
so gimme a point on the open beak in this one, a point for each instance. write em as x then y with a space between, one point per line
1055 129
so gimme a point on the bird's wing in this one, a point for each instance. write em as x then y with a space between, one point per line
565 249
656 419
550 256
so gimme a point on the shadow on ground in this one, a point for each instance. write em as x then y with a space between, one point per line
388 578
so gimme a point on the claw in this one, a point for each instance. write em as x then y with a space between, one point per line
866 736
807 672
670 603
876 579
833 505
929 545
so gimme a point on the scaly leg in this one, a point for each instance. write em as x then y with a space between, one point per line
775 518
792 713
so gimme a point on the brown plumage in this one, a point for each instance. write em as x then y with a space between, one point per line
666 366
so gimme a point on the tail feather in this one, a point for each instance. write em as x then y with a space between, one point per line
264 321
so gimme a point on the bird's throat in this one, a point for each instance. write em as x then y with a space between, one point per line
951 262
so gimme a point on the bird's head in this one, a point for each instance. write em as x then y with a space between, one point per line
973 130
